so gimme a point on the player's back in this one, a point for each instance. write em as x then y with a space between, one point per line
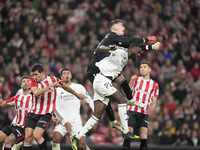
113 65
99 55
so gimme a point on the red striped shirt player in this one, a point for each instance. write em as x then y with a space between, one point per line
43 89
146 91
15 132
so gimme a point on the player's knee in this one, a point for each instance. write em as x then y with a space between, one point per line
56 139
82 145
37 136
97 114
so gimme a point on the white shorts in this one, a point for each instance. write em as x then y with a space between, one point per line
102 87
76 127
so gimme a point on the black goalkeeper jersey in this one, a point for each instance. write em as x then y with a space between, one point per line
111 38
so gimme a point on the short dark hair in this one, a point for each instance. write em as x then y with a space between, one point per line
114 22
38 67
134 45
145 62
65 69
24 77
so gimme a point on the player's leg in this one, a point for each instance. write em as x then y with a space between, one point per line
114 123
9 142
131 125
3 136
58 134
122 110
99 108
30 124
143 138
41 126
16 137
28 138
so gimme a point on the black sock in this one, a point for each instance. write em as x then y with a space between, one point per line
143 145
43 146
7 148
28 148
110 112
126 89
126 144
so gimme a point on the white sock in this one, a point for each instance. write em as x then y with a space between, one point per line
123 117
56 146
88 125
17 146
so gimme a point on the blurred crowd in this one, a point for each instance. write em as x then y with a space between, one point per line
64 33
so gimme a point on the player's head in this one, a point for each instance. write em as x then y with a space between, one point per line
134 51
66 75
24 83
117 26
145 68
38 72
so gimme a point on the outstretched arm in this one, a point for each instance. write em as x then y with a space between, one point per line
3 103
104 48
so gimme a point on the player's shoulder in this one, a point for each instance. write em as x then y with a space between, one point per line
154 82
76 85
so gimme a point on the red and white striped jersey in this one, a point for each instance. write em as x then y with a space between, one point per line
22 104
45 103
143 91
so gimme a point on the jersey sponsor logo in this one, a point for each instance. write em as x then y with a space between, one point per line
67 97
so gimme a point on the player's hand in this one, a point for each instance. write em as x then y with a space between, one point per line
1 101
152 39
55 119
133 78
55 84
81 96
156 46
149 111
68 126
112 47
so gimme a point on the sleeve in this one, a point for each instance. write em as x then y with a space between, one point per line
11 101
156 91
32 83
125 41
88 99
61 84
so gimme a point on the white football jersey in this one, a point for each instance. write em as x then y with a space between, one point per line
113 65
68 105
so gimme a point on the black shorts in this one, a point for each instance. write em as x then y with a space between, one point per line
35 120
18 132
137 120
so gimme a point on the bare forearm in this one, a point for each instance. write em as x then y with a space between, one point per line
3 104
68 89
39 92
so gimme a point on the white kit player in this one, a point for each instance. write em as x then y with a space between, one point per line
43 90
146 91
15 132
68 110
109 68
